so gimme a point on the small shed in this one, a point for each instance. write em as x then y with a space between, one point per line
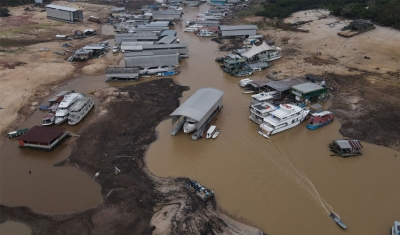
309 91
42 137
346 148
62 13
237 30
122 74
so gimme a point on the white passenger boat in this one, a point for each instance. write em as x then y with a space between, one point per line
189 125
211 131
79 110
244 82
49 119
205 33
286 117
65 105
260 111
191 29
264 97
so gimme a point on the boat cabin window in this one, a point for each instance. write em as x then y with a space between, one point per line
152 68
191 122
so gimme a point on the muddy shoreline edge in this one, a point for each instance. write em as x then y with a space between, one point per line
134 200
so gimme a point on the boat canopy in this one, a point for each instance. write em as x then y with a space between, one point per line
257 49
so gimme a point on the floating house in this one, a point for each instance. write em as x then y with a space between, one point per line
263 52
152 60
142 36
346 148
167 15
168 32
199 109
309 92
122 74
182 48
201 192
83 54
42 137
237 30
62 13
284 86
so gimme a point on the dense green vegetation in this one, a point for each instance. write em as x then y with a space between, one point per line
385 12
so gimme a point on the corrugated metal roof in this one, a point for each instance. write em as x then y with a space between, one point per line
142 37
168 32
237 27
145 27
151 52
167 40
153 60
165 46
349 144
61 7
284 85
122 70
254 50
307 87
199 103
42 134
167 12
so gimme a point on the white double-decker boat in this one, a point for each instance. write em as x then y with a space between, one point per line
63 109
286 117
79 110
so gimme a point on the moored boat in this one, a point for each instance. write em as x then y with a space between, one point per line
211 131
189 125
284 118
169 73
318 120
337 220
202 192
216 134
63 108
244 82
79 110
396 228
49 119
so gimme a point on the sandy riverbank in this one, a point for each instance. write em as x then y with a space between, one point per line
40 72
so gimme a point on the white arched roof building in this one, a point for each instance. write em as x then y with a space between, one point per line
200 106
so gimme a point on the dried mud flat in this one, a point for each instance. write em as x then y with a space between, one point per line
134 201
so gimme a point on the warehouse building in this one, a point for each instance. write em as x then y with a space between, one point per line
62 13
149 52
145 36
152 60
199 109
167 40
134 46
167 15
182 48
237 30
122 74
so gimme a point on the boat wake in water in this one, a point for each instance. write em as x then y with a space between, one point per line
283 163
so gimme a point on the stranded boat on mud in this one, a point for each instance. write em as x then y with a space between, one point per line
337 220
286 117
200 191
318 120
79 110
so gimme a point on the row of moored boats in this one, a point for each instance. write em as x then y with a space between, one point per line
67 106
277 118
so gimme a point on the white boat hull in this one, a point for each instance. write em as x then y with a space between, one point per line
82 115
268 131
61 120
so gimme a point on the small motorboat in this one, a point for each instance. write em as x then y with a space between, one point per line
211 131
216 134
49 119
169 73
337 220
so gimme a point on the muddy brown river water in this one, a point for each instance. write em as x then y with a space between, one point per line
282 185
